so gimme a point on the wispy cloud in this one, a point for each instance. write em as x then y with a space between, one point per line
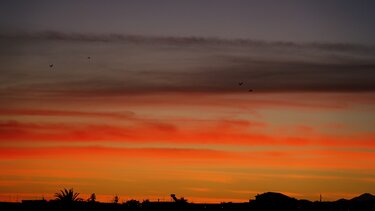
223 133
192 40
55 113
309 159
124 64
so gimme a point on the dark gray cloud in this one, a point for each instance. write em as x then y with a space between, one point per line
124 64
192 40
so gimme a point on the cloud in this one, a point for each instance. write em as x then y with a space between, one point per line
38 112
87 153
192 40
143 131
310 159
127 65
223 133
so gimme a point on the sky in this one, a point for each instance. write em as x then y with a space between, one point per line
143 99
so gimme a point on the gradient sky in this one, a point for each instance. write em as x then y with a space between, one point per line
158 109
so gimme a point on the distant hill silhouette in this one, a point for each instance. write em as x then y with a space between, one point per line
364 197
342 200
272 200
275 197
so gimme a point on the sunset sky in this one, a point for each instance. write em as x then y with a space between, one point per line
158 109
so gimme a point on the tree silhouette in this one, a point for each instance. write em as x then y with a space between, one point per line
116 199
133 204
92 198
67 196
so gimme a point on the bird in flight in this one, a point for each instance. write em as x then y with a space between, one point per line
251 90
240 83
88 57
51 65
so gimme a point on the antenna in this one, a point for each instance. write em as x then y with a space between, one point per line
320 199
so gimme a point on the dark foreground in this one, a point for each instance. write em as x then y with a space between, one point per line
263 202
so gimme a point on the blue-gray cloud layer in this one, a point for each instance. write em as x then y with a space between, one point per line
289 20
124 64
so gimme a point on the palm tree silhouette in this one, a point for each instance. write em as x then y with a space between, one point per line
67 196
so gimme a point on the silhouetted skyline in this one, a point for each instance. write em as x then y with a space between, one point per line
67 200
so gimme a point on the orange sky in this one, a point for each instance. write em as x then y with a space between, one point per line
148 116
208 152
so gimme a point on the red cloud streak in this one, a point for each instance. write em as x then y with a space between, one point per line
226 133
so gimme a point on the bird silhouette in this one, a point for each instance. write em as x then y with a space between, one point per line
240 83
251 90
51 65
88 57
